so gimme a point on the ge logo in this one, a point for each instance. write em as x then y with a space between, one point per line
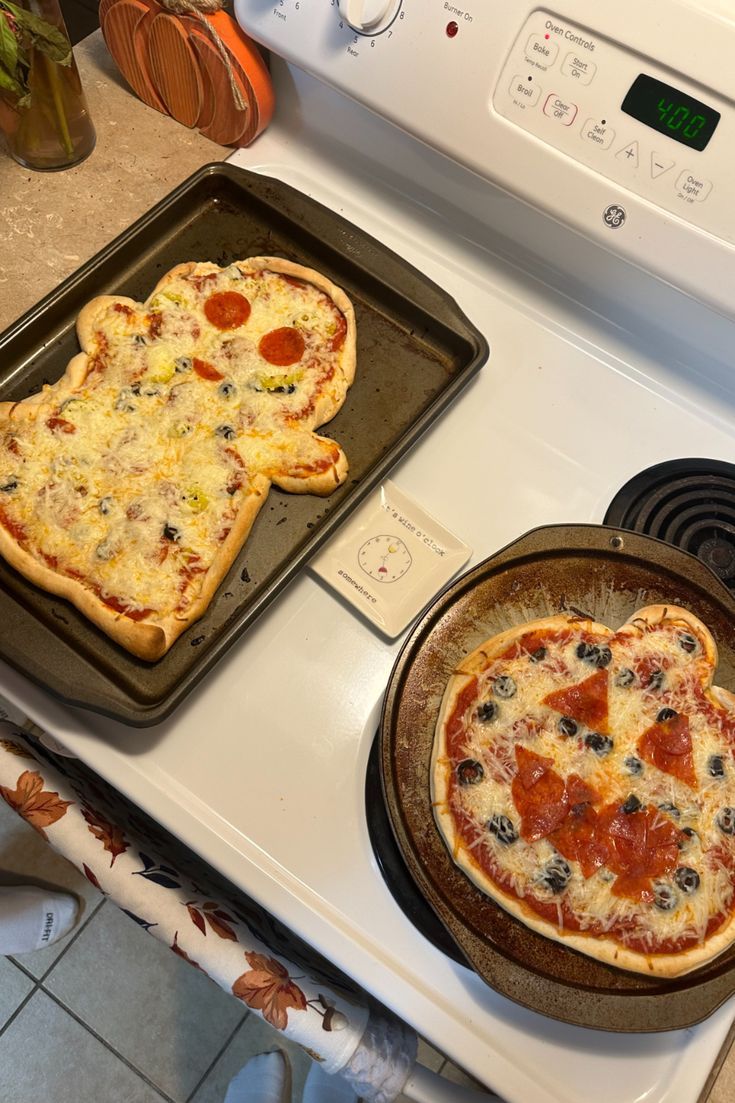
614 216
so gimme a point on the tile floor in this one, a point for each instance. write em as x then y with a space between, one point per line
110 1015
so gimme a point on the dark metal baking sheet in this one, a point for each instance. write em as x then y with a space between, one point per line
607 573
416 350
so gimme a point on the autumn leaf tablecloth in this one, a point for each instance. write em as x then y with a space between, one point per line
170 893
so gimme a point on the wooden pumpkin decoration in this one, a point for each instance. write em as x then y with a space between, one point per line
190 60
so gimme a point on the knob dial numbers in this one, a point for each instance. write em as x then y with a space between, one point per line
369 16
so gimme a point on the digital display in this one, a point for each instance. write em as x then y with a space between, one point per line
671 112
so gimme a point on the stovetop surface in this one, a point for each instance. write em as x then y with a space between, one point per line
263 771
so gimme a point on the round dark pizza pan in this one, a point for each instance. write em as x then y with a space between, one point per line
607 573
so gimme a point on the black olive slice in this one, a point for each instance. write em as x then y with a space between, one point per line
226 389
667 806
716 766
594 654
504 686
225 431
633 765
487 711
688 642
666 714
687 879
632 804
10 485
538 655
726 820
656 680
557 874
183 364
600 744
105 505
470 772
625 678
171 533
502 828
664 897
567 726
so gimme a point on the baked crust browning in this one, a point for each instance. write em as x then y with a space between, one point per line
246 411
657 773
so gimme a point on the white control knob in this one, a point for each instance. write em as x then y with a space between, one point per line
368 16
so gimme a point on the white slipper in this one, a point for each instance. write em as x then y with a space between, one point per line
264 1079
32 917
320 1087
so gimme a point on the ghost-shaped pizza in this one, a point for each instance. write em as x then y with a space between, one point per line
130 485
585 780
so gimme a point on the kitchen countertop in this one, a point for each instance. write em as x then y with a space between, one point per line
50 223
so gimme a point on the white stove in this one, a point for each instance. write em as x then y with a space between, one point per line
610 350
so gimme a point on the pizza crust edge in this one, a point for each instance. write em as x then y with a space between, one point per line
149 639
606 950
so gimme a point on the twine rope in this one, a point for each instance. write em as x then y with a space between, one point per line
197 9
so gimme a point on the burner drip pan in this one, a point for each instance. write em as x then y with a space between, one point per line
689 503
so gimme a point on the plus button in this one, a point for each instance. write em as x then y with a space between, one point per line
629 154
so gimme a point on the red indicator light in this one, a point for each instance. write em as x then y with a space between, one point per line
452 29
547 36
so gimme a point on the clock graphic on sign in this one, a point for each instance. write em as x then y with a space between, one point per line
384 558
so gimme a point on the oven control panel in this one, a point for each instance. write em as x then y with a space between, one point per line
643 127
616 120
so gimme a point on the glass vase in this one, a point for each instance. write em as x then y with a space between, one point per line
55 130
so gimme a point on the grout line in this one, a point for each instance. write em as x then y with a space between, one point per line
18 1009
121 1057
37 980
216 1059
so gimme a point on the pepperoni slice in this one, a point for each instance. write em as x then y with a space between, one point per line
642 845
338 338
578 838
61 424
539 795
667 744
206 370
586 701
282 346
227 309
580 792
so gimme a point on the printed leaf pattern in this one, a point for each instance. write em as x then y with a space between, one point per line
183 954
267 987
15 748
109 834
31 801
217 918
161 875
91 877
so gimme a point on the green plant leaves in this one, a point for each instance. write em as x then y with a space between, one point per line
21 31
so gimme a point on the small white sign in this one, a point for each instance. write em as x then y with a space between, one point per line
390 559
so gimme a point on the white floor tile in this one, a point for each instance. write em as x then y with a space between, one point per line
45 1054
14 987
